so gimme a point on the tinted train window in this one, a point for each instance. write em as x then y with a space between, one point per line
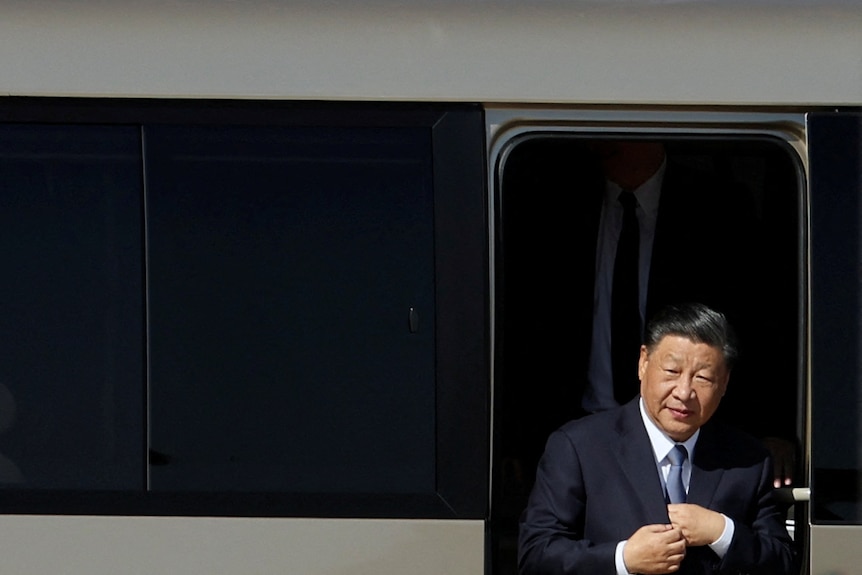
243 309
71 307
283 268
836 450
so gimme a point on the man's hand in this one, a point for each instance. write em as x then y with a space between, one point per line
654 549
698 525
783 459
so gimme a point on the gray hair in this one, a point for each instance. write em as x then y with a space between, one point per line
696 322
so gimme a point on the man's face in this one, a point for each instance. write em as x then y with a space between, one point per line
682 383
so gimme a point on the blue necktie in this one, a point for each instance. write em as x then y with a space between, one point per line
675 486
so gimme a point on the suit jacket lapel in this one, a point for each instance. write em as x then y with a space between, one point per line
635 456
585 242
706 472
666 245
593 211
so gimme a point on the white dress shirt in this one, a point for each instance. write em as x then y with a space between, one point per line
599 391
661 446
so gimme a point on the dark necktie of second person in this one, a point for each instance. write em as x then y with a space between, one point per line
625 306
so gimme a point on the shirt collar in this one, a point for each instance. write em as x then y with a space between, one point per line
647 194
661 443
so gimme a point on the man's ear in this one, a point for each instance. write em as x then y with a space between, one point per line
642 362
725 384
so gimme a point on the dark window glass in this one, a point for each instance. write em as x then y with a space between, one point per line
836 186
224 308
283 265
71 308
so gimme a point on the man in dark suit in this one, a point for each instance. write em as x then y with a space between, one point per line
599 504
686 217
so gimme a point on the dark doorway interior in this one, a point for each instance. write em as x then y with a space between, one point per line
545 270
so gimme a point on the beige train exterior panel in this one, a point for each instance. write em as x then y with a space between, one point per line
532 51
47 545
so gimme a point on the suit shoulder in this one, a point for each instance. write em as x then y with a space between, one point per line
735 442
712 185
591 424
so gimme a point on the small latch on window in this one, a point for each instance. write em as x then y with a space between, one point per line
413 320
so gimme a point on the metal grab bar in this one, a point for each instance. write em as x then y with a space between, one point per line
793 494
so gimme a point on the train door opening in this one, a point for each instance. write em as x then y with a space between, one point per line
728 232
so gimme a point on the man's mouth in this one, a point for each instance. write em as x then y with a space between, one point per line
679 412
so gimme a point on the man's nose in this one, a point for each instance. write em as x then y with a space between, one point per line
684 389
